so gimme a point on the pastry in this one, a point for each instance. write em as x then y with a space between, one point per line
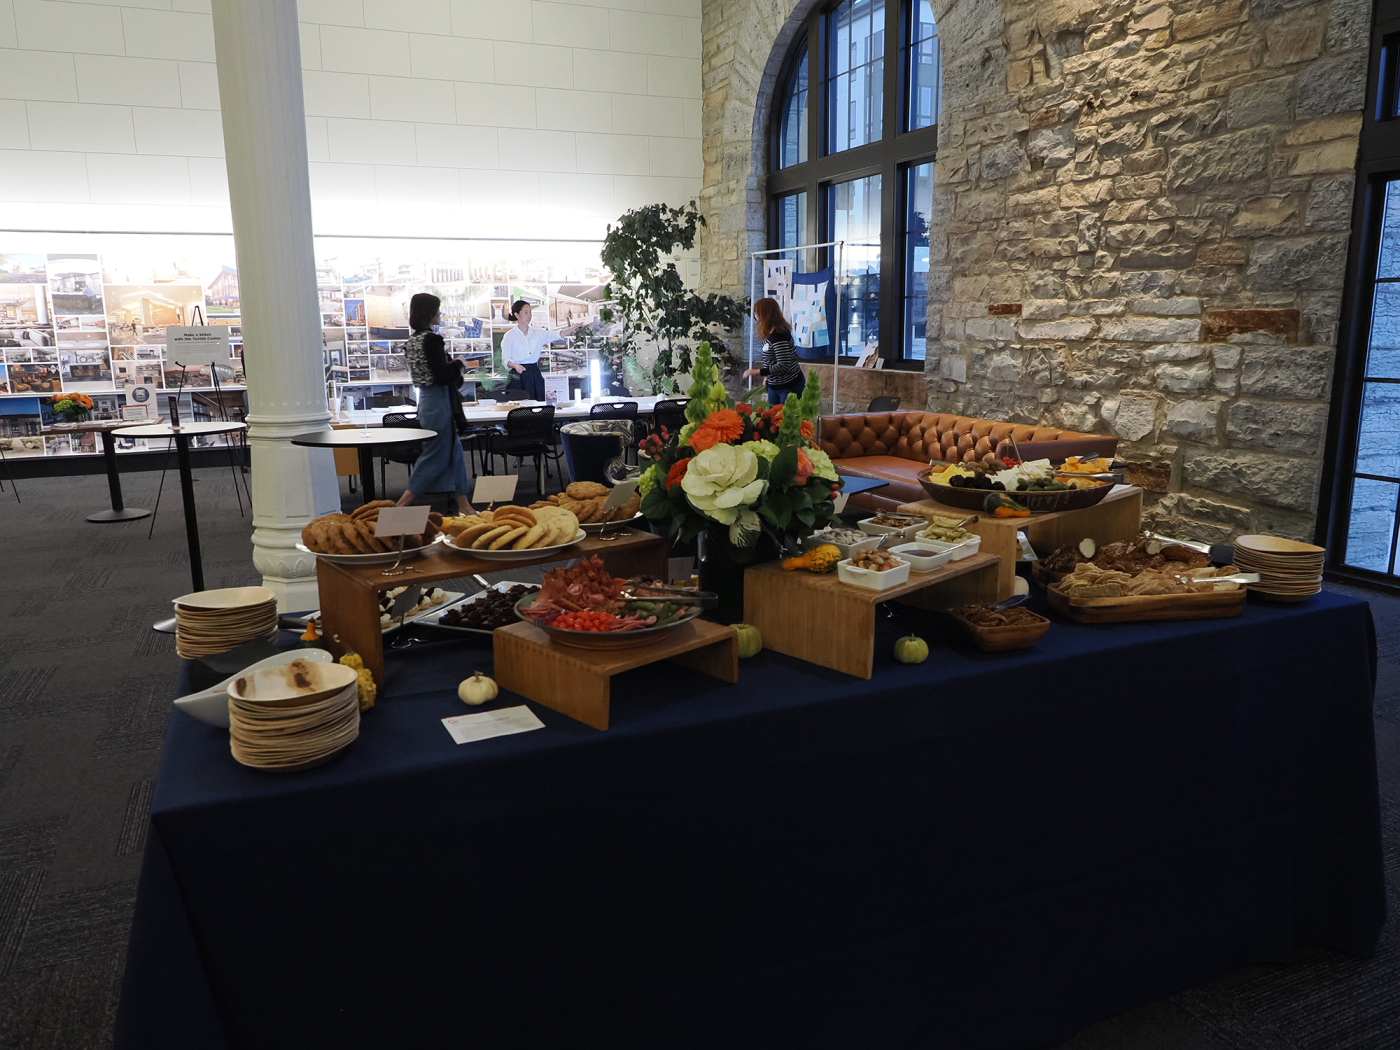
581 490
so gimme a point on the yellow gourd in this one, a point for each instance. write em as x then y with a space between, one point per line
818 559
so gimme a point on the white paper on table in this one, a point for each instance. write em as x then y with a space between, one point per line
402 521
494 488
620 494
485 724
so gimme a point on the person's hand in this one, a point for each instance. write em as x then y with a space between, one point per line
749 373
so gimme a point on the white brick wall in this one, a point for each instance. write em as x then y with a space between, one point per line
447 117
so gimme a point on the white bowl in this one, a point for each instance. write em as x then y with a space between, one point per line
921 558
903 535
957 551
211 705
869 578
847 549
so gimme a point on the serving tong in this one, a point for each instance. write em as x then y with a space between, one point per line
665 593
1239 577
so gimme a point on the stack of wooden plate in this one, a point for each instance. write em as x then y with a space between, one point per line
1289 571
294 716
209 622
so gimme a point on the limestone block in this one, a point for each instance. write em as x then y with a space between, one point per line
953 367
1183 379
1173 352
1004 367
1266 216
1279 481
1223 253
1266 102
1003 160
1348 25
1072 329
1227 357
1209 19
1340 126
1329 156
1329 203
1188 306
1222 324
1292 372
1233 157
1194 420
1290 44
1200 508
1043 309
1333 85
1178 256
1130 234
1152 330
1277 426
1131 418
1052 146
978 75
990 328
1298 262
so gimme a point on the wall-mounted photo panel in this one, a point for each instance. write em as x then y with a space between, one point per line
35 379
68 323
24 306
44 354
191 377
390 368
331 296
132 375
141 313
85 369
386 310
221 295
81 338
21 427
332 319
107 406
83 444
75 284
16 354
355 313
4 380
58 445
23 269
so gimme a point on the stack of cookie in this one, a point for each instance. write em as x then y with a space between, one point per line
354 533
512 528
585 500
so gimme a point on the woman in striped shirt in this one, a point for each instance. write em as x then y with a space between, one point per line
780 368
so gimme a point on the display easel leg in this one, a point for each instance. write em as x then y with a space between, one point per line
11 475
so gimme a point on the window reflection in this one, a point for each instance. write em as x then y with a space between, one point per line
792 134
856 74
854 217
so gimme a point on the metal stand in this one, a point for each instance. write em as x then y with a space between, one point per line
120 511
394 570
11 474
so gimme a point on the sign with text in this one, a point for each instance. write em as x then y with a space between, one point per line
620 494
402 521
136 411
494 488
197 345
483 726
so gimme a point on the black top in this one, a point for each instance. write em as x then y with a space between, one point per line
428 364
780 362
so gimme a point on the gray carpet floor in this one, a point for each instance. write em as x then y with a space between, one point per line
85 689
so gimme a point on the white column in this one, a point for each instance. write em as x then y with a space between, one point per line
257 46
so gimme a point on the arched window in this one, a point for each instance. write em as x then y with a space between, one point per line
852 160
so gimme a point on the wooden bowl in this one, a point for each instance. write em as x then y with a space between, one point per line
1035 502
292 684
1001 639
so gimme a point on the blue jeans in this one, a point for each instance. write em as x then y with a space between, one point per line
777 395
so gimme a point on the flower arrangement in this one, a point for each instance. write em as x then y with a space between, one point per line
737 473
70 407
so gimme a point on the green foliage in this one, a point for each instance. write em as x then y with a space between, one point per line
652 300
706 391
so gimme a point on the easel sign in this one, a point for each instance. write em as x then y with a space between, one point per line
494 488
198 345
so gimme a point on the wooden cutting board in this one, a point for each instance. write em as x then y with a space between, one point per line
1205 605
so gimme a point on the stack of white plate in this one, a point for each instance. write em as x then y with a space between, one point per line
209 622
294 716
1289 571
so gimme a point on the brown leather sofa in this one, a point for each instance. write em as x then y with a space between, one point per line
896 446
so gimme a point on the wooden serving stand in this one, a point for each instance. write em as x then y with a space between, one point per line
1118 516
350 593
1134 608
578 682
819 619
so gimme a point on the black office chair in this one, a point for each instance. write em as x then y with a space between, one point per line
406 453
622 410
670 414
884 403
529 432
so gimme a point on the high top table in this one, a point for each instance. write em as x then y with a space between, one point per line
105 428
364 442
182 435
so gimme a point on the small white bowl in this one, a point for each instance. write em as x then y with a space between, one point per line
847 549
956 551
921 558
903 535
869 578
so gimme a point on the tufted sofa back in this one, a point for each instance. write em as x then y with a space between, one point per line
925 436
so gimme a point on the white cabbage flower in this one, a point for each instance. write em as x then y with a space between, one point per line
744 532
723 480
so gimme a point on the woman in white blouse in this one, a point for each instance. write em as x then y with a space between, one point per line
520 349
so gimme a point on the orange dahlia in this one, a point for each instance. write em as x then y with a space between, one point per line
677 472
724 425
808 431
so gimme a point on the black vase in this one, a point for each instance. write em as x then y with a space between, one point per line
720 573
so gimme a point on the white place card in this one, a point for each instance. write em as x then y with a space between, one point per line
482 726
402 521
494 488
620 494
839 503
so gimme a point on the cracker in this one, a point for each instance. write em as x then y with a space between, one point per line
484 541
508 538
530 539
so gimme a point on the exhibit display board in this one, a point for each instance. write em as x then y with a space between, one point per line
92 315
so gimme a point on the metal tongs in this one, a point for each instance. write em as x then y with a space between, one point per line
660 592
1239 577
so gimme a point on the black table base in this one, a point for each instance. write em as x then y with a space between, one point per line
120 511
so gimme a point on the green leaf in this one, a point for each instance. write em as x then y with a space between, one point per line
784 466
806 517
655 504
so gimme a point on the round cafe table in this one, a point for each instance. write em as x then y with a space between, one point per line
364 442
104 429
182 435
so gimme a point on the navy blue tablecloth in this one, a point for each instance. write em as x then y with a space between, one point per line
987 850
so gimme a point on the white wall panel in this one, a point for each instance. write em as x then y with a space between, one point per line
535 65
52 25
489 190
310 47
395 184
8 36
168 34
493 19
408 98
502 105
331 12
71 125
335 94
199 85
644 33
614 154
42 75
588 194
366 141
127 81
684 8
14 125
561 110
644 115
342 183
674 157
678 77
172 133
523 150
610 71
364 51
690 38
123 179
443 57
208 182
569 25
423 16
198 7
318 145
457 146
37 175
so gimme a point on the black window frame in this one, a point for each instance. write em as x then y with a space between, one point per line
896 150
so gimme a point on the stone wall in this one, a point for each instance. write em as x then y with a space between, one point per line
1146 208
1140 226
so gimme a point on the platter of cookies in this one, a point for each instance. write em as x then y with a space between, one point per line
349 538
512 533
585 499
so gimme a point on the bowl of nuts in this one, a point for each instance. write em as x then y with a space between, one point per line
849 541
873 570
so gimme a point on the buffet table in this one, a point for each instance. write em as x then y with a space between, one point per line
986 850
